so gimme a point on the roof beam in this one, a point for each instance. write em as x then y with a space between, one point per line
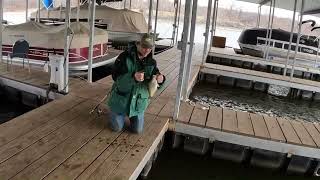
314 11
263 2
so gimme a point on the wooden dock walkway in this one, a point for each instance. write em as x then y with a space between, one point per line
228 53
252 130
61 140
35 81
258 76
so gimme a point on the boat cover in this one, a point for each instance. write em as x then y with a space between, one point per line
123 20
52 37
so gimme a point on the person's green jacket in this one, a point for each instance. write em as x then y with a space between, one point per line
129 96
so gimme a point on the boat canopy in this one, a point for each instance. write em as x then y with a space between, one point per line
311 7
122 20
52 37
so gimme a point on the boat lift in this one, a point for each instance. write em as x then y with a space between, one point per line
305 7
67 34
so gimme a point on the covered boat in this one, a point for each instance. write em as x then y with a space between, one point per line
123 25
45 39
253 42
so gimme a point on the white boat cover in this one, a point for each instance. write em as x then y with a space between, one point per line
122 20
52 37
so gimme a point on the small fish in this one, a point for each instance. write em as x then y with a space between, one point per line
153 86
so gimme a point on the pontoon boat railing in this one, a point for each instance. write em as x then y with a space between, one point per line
282 44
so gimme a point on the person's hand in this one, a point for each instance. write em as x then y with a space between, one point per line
139 76
159 78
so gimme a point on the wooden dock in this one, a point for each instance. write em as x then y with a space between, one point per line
264 77
61 140
36 81
228 53
252 130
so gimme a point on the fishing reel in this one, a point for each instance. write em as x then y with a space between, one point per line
96 110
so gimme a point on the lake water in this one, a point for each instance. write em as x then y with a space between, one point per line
210 94
177 164
10 109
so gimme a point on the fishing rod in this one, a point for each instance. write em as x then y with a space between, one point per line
96 107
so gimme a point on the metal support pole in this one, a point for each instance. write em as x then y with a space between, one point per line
189 62
298 38
213 20
60 10
178 21
181 83
291 36
91 23
205 48
155 27
1 27
150 16
273 2
267 35
259 16
175 4
66 47
39 9
27 9
78 10
130 5
317 56
216 17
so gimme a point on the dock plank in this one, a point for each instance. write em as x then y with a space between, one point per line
156 106
92 91
214 118
314 133
81 160
110 158
185 112
19 144
288 131
317 125
168 109
302 133
261 76
229 120
52 159
26 122
198 117
134 158
244 123
276 62
259 126
17 163
115 156
274 129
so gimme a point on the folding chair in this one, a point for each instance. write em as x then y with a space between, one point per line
20 49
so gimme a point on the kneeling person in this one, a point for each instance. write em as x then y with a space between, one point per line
132 72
